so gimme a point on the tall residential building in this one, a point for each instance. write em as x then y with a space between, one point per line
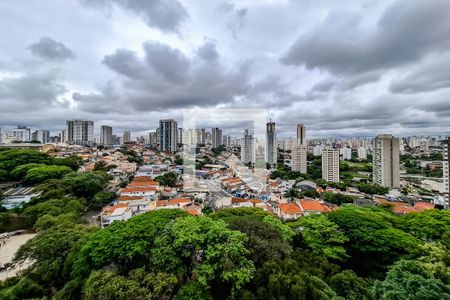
216 137
203 136
80 132
226 141
153 138
301 135
248 148
1 136
106 135
63 136
386 161
126 137
299 159
168 131
362 153
446 164
330 164
271 144
346 153
41 136
21 133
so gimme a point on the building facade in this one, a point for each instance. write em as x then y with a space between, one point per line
301 134
168 132
216 137
330 164
299 159
126 137
446 165
248 148
386 161
271 144
106 135
80 132
41 136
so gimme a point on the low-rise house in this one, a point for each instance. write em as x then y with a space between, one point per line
118 212
289 211
147 192
313 206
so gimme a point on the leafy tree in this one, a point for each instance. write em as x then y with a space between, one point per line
373 189
168 179
292 193
348 285
3 175
74 162
102 198
205 250
85 185
429 225
286 280
126 245
265 241
370 236
106 285
55 207
408 279
10 159
50 251
229 213
43 173
322 235
337 198
309 194
25 288
20 172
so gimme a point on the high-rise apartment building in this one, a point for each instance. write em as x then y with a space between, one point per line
271 144
226 141
386 161
216 137
446 165
299 159
80 132
126 137
330 164
21 133
362 153
346 153
41 136
203 136
168 131
106 135
248 148
301 134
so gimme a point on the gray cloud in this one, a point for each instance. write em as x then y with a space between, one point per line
166 15
236 16
166 78
31 92
126 62
167 62
432 76
405 32
49 49
208 51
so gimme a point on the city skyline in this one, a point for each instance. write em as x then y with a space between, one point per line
96 64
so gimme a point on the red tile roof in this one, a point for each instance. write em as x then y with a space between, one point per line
290 208
313 205
138 189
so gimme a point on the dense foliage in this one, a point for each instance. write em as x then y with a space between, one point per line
244 253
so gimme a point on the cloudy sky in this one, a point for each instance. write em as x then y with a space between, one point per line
340 67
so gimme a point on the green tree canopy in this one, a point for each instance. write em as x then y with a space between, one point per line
408 279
